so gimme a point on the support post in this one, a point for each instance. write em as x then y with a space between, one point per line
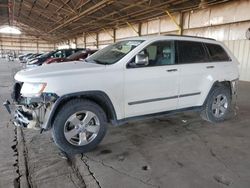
68 43
85 43
181 23
97 40
76 42
114 34
139 29
37 46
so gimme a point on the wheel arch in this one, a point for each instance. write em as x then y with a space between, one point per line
99 97
225 83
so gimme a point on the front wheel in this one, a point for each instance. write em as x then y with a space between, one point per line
218 105
79 126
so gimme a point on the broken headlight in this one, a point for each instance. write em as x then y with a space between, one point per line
32 89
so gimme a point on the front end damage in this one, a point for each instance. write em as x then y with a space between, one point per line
29 112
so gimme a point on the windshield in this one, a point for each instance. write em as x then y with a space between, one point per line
114 52
46 54
75 55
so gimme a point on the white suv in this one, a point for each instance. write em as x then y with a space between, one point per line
132 79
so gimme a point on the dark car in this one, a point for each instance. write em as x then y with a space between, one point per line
22 58
80 55
28 57
33 56
62 53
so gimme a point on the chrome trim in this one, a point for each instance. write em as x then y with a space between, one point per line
163 98
152 100
190 94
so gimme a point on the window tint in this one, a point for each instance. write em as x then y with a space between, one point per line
217 53
191 52
59 54
159 53
69 52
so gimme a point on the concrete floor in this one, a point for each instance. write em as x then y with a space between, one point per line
180 151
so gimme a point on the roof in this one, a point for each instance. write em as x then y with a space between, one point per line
61 19
173 37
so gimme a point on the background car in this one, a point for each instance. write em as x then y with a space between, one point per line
23 57
80 55
62 53
33 56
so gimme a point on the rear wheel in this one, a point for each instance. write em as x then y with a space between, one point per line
218 105
79 127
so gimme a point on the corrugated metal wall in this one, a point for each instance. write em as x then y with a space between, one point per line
227 22
241 50
23 44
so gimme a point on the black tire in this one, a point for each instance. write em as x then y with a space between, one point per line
67 110
207 113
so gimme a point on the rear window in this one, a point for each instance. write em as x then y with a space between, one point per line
217 53
191 52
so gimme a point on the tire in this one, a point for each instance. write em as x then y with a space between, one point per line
73 118
210 111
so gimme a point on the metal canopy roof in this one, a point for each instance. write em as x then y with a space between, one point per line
61 19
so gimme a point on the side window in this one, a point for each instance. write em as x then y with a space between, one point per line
58 54
191 52
68 53
217 53
159 53
63 54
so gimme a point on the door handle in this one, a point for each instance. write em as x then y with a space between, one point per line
209 67
172 70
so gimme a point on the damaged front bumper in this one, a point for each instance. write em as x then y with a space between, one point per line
18 116
31 112
21 119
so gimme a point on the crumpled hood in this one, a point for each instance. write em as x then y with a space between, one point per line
41 73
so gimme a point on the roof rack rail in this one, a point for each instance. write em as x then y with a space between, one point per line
189 36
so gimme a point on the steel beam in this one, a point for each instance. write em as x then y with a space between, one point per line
90 10
112 36
174 21
132 27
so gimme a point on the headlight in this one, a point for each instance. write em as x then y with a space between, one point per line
32 89
33 61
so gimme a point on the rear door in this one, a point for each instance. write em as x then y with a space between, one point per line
197 73
221 59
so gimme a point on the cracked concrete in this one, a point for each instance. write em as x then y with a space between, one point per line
45 166
179 151
24 180
87 160
16 164
27 158
9 166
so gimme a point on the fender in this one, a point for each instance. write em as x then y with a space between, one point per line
100 97
233 87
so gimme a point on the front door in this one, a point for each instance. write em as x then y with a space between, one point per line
152 88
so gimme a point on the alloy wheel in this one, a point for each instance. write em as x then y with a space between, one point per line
220 106
81 128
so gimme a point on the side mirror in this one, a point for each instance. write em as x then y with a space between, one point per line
141 59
